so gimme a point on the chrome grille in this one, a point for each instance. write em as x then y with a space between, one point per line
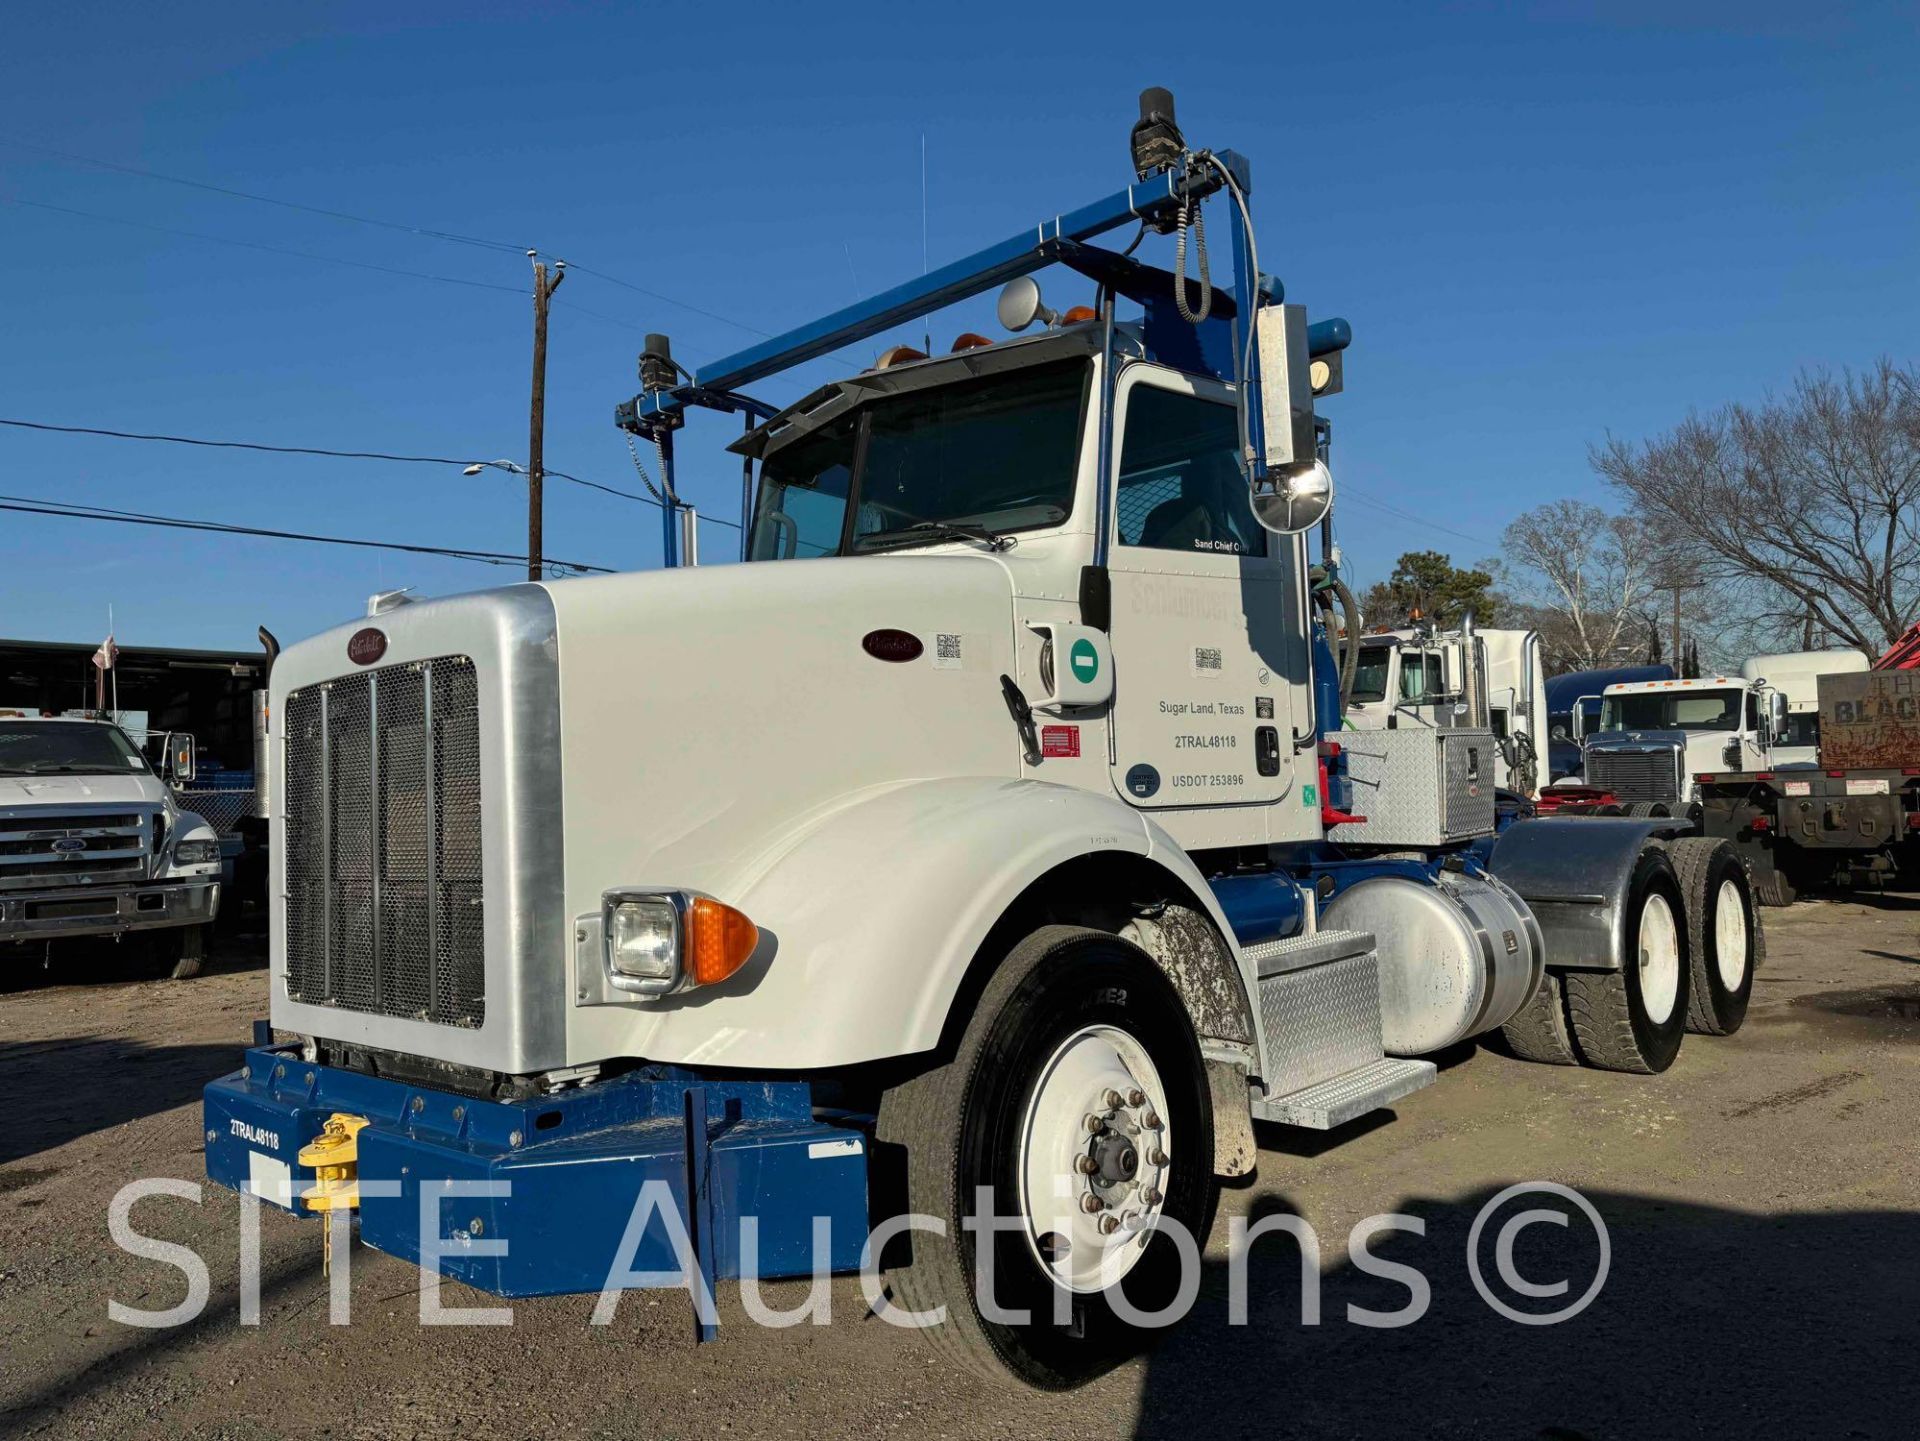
45 848
382 839
1635 775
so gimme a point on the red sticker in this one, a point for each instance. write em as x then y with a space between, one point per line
1062 741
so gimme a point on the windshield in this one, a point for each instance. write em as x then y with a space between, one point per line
1711 710
1422 675
1370 674
38 748
996 454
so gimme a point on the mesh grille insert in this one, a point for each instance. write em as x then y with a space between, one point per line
385 910
1634 775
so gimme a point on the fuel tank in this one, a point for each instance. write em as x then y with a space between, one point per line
1457 957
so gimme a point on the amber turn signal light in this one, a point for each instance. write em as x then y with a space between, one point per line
719 940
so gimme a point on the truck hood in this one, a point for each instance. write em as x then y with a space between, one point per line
1639 740
112 790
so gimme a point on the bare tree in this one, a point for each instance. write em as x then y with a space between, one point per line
1807 508
1586 579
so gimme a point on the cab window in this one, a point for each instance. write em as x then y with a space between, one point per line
803 496
1180 487
1422 676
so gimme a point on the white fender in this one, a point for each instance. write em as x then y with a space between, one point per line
871 917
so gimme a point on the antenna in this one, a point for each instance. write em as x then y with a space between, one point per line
926 321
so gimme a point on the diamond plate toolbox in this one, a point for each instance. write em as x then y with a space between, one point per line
1419 786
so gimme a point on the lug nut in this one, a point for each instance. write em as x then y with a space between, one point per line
1086 1165
1136 1097
1151 1120
1109 1224
1112 1101
1095 1124
1152 1197
1156 1157
1091 1203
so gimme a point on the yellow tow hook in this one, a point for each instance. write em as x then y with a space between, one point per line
334 1155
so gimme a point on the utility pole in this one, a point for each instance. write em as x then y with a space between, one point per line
543 288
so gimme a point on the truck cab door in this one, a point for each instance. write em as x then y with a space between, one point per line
1207 625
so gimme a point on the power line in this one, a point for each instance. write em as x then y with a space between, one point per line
304 450
36 505
431 234
668 299
426 232
1416 519
253 445
306 255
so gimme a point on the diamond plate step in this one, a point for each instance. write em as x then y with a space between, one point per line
1333 1103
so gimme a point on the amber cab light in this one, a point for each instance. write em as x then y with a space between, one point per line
719 940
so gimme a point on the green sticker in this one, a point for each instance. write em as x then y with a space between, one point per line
1309 796
1085 661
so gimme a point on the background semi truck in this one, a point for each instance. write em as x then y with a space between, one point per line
988 839
1796 675
1852 818
1654 737
94 844
1491 679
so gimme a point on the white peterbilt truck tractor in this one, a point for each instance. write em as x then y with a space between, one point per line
986 837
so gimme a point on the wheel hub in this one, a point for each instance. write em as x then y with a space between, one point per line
1094 1159
1116 1159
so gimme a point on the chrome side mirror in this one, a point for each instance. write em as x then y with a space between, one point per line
1297 502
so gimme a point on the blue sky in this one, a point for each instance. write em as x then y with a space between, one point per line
1543 222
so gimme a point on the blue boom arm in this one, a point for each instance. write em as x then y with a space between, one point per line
658 411
1017 255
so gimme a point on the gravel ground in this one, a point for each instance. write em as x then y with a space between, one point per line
1760 1200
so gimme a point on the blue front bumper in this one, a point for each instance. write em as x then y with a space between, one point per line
573 1164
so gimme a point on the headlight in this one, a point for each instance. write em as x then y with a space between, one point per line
643 942
196 853
660 942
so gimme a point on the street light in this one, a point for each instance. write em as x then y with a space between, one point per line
480 465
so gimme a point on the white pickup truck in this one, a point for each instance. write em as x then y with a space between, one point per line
93 843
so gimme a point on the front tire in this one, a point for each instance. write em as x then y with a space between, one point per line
1635 1018
1774 887
1723 932
1070 1020
179 951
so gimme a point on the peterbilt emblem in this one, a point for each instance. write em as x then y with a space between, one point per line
67 845
366 646
898 646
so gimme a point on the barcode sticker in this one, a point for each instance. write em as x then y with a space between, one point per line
1206 661
946 651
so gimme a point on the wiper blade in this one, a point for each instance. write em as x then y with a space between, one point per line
934 530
